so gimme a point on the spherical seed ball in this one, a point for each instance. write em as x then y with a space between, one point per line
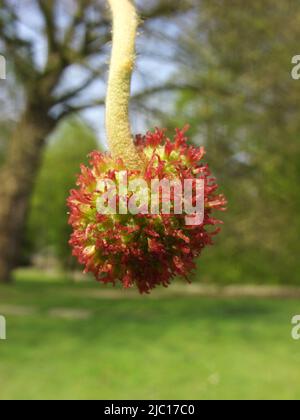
142 249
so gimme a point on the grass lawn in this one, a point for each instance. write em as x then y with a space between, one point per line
145 348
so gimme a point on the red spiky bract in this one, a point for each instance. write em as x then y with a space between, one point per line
143 250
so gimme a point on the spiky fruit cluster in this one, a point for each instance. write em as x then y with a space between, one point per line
145 250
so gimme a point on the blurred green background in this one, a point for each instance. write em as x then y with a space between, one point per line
224 67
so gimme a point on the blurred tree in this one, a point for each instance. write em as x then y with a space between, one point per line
248 114
49 44
48 232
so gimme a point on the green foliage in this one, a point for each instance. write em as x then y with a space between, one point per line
48 231
247 114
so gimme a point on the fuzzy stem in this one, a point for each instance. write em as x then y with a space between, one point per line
125 23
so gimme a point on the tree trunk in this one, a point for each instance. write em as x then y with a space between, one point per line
17 178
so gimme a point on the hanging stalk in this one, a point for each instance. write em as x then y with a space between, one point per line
120 139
